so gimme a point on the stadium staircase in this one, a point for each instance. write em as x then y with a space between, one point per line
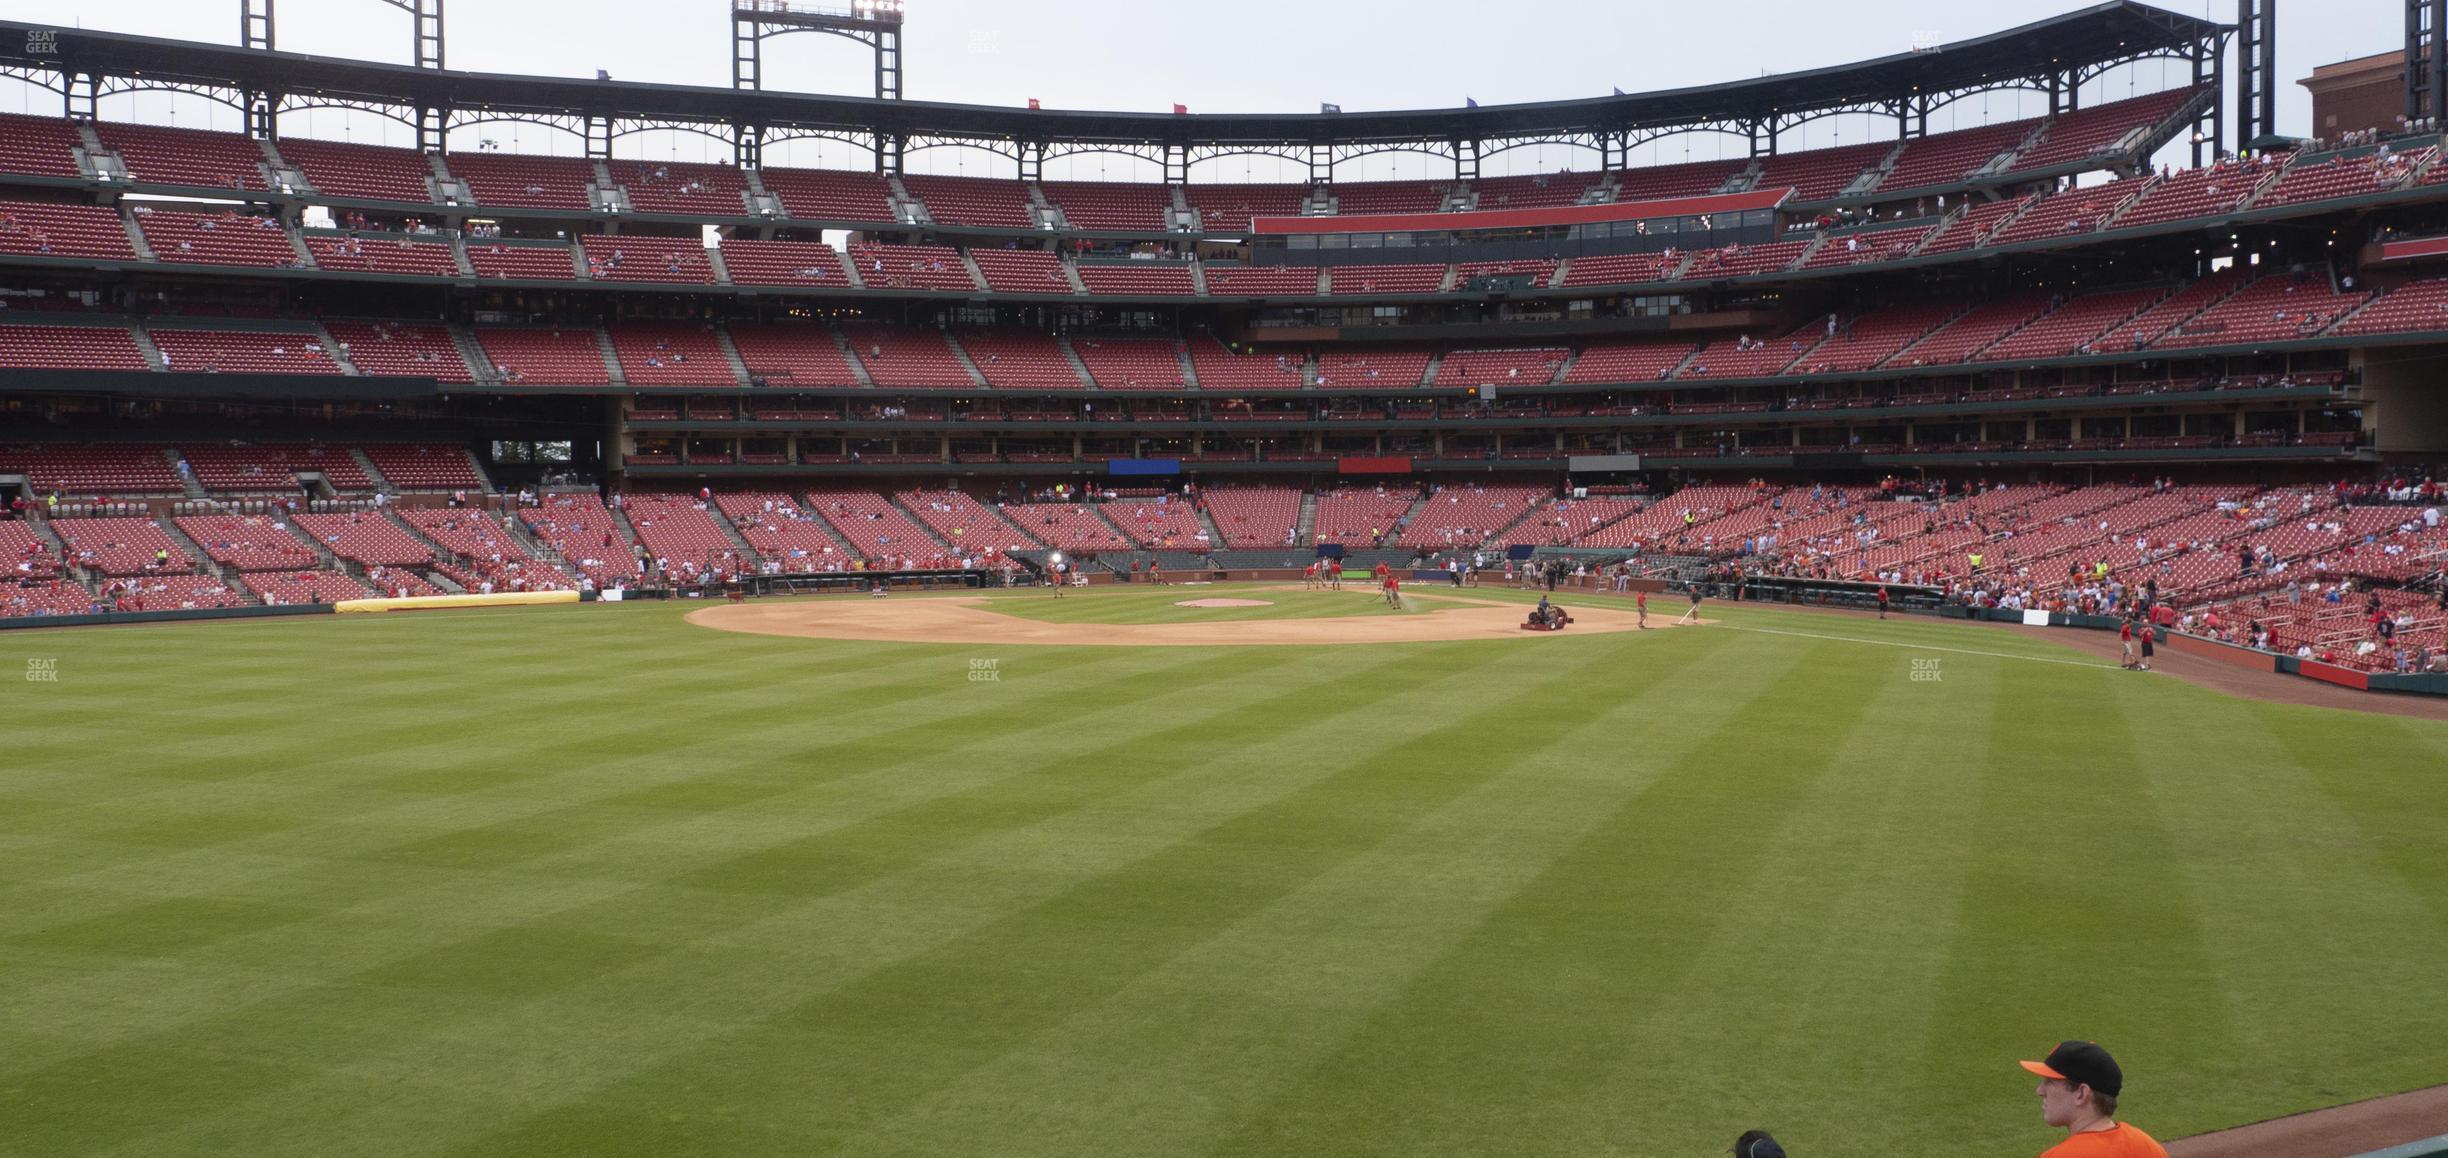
464 340
1097 510
187 480
459 255
1556 279
905 207
730 531
739 365
761 201
1070 273
1428 375
841 342
977 277
722 272
1189 372
1198 278
144 343
98 159
297 246
607 193
372 473
1496 540
324 559
1308 518
516 528
50 538
203 559
960 353
1207 523
1077 367
136 237
611 359
1402 526
628 531
339 357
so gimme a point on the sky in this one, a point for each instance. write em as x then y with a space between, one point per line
1236 56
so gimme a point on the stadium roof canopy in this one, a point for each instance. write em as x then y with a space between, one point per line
2054 53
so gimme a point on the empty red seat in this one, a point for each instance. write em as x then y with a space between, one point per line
545 357
243 352
360 172
70 348
160 155
43 229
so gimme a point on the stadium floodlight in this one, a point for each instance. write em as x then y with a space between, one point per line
1055 558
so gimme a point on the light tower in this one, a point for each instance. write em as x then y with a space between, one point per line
874 23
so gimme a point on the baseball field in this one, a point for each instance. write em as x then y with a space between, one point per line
605 880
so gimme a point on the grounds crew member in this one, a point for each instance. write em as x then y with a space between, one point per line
2079 1084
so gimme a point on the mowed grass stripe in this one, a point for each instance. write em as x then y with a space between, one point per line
885 1037
448 1041
1825 939
483 941
2272 853
679 984
1221 1028
2072 863
1508 1042
441 907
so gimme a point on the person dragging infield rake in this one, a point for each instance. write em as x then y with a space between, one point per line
1692 616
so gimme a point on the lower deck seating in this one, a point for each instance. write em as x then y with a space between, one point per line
248 542
367 538
286 588
1254 517
967 524
486 555
582 531
123 546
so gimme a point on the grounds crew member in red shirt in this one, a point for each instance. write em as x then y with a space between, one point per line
2079 1084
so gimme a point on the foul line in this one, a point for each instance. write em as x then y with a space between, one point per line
1922 647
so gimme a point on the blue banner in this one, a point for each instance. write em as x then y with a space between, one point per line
1144 466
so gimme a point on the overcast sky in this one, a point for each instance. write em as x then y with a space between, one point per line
1236 56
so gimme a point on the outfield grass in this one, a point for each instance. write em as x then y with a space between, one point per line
591 880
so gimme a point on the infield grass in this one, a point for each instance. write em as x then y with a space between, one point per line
595 881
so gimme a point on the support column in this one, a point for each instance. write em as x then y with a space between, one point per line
2426 67
2257 61
430 123
81 93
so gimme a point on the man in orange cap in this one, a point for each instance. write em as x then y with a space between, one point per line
2079 1084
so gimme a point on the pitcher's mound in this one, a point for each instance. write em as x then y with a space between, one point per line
1226 603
